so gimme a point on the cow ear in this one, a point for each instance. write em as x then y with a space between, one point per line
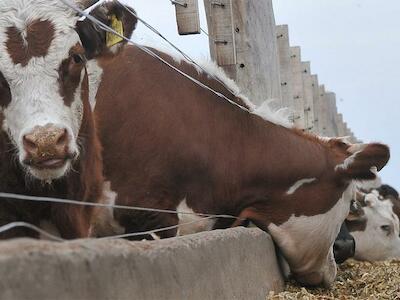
363 161
97 41
371 200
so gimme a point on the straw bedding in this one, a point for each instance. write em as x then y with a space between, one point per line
355 280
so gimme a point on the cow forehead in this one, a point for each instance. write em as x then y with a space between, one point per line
35 35
25 10
382 211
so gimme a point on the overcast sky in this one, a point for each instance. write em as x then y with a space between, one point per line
353 46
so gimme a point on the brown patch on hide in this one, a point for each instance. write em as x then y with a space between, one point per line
357 225
70 74
34 42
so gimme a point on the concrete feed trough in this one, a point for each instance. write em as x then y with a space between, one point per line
225 264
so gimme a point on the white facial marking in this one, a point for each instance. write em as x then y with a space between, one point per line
201 225
307 241
35 88
95 74
380 240
298 185
104 223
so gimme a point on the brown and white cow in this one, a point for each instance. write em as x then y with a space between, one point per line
345 244
170 144
48 140
376 231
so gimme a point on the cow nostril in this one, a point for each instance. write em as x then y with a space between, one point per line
63 138
29 144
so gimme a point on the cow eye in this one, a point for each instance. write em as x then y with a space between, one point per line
78 58
386 228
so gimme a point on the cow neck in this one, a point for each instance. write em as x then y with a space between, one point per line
278 165
86 183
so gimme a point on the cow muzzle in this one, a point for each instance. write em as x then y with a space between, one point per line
344 249
47 149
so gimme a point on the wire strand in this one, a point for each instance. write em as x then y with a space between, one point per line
14 225
149 232
90 8
86 14
153 54
82 203
204 31
186 56
75 202
50 236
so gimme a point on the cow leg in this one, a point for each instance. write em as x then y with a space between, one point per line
72 221
251 214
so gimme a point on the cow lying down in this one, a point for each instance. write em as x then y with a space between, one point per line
376 229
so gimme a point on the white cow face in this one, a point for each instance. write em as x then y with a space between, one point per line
43 79
42 83
379 239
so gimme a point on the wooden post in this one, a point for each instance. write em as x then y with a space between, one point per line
337 124
347 130
282 32
323 116
332 129
316 105
243 41
187 16
308 96
341 127
298 93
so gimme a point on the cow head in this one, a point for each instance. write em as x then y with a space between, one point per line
378 237
43 79
315 208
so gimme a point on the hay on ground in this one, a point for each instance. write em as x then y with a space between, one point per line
355 280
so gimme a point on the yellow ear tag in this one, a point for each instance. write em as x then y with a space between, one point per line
111 38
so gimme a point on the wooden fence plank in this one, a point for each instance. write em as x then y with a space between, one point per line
187 17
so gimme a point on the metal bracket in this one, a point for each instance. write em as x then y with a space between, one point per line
175 2
217 3
224 42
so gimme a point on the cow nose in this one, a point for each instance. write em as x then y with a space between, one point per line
344 249
46 143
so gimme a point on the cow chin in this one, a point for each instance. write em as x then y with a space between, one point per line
329 270
50 174
326 276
